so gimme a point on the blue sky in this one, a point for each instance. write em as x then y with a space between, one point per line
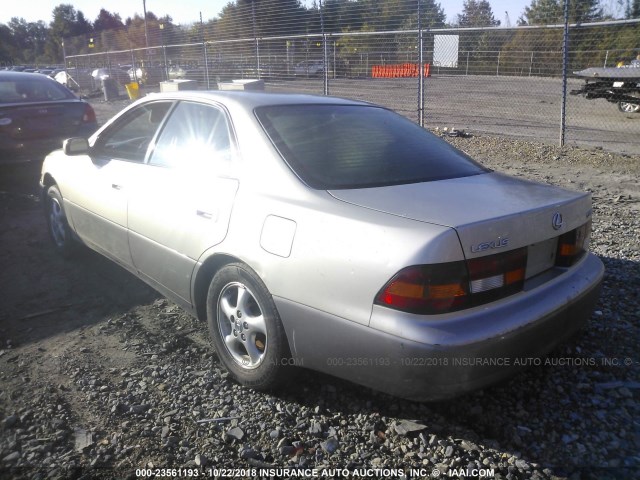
188 11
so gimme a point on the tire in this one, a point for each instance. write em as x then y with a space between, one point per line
627 107
246 329
61 235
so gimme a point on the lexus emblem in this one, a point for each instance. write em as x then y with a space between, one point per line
557 221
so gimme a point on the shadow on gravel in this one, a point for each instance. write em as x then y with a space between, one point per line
44 295
20 178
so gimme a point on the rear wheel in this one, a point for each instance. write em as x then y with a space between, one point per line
627 107
57 223
246 329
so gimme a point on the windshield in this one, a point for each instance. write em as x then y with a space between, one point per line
351 146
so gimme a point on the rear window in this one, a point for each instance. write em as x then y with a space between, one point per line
32 90
350 146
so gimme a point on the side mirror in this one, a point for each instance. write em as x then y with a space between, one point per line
75 146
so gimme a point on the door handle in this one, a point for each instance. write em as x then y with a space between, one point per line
203 214
116 186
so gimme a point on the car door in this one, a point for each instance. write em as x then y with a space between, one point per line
182 204
100 196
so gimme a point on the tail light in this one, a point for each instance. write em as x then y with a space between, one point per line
427 289
497 276
89 115
447 287
573 245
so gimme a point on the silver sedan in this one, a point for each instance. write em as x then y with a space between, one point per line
330 234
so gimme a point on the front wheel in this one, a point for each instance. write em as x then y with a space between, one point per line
627 107
246 329
57 223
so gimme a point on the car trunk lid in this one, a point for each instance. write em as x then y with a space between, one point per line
491 212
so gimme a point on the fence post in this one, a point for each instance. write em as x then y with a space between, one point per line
466 72
565 61
204 48
258 57
325 59
166 67
498 66
334 60
531 64
606 57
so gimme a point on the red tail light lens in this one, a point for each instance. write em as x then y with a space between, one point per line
573 245
89 115
427 289
447 287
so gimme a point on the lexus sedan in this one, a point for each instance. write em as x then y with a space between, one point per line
37 114
330 234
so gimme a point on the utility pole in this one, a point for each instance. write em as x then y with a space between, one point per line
146 35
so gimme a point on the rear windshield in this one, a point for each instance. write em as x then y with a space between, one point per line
32 90
351 146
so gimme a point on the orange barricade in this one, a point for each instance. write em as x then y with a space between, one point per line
403 70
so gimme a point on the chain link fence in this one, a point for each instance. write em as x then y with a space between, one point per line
504 81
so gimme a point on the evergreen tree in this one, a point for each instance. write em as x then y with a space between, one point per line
107 21
263 18
66 23
632 9
381 15
477 13
7 46
547 12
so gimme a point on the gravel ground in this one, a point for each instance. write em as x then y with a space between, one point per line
100 376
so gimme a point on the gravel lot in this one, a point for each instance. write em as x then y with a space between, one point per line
100 375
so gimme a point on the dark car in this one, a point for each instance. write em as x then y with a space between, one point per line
37 114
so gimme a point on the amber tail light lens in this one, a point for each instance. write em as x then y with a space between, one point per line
447 287
573 245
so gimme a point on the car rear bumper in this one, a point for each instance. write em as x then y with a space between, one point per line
20 150
418 358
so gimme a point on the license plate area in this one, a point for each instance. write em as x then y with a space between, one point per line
541 256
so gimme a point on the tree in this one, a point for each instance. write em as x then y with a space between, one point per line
380 15
7 45
261 18
632 9
477 13
28 39
546 12
342 15
66 23
107 21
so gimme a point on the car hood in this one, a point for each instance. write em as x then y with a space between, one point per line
484 209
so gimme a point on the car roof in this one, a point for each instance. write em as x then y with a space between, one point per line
250 100
15 76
